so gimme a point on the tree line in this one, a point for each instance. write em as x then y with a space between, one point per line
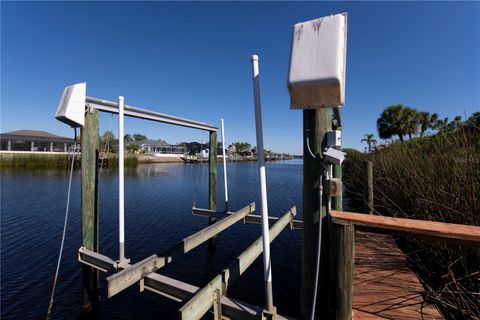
399 120
402 121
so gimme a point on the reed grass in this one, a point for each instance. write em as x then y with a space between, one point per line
432 178
61 160
34 160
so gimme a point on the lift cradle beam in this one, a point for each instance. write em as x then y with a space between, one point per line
125 278
171 288
204 299
251 218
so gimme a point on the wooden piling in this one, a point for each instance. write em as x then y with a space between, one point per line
341 262
316 122
368 191
89 163
212 183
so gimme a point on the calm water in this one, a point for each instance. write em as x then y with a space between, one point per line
158 202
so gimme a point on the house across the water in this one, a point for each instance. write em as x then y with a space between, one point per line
158 148
34 140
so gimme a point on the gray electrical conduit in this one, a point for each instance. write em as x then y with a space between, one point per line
319 245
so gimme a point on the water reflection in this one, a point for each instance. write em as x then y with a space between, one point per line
158 203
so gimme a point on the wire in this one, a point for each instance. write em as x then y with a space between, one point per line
319 246
64 230
310 150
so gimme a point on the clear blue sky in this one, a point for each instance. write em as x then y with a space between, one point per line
192 59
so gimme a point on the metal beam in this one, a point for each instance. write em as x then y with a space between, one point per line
251 218
125 278
112 107
203 299
175 289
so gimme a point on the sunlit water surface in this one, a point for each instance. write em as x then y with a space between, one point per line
158 202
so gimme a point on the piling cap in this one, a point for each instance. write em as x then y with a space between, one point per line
254 57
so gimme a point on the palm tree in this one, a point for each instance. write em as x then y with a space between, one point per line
390 124
426 121
370 141
457 121
409 122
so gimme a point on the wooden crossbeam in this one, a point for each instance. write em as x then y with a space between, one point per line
204 298
125 278
251 218
449 232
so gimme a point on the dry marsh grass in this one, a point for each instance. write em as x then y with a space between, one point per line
433 178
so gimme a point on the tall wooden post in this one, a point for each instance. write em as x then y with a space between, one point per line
337 202
89 151
316 123
212 183
368 193
340 262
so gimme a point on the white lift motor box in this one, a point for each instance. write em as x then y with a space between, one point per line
316 77
71 109
334 138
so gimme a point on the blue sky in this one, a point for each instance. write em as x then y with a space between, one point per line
192 59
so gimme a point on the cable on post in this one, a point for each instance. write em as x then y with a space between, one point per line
50 306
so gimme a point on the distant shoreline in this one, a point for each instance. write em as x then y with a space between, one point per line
40 159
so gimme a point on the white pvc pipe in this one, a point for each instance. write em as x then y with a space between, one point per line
224 166
121 192
263 187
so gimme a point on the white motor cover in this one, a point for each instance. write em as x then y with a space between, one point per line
316 77
71 109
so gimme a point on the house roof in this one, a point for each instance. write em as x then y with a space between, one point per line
152 143
33 135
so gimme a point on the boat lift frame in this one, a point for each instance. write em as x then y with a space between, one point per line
198 300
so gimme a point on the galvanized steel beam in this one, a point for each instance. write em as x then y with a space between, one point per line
125 278
251 218
204 299
174 289
112 107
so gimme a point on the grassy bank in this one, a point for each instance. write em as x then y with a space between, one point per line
56 160
35 160
438 179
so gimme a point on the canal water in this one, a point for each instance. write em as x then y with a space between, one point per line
158 202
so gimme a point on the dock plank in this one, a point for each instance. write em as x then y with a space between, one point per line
384 285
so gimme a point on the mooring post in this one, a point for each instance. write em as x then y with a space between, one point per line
212 182
341 262
341 257
368 191
89 165
316 122
337 202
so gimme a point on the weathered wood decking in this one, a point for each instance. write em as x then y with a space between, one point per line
384 285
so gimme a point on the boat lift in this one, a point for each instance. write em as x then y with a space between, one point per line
198 301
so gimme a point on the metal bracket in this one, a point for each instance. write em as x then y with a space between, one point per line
267 315
122 264
217 304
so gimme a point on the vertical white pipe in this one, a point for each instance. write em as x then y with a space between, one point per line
121 201
263 186
224 166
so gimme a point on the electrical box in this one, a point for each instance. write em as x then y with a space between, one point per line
71 109
334 138
316 77
335 187
334 156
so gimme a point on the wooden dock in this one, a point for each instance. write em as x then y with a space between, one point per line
384 285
